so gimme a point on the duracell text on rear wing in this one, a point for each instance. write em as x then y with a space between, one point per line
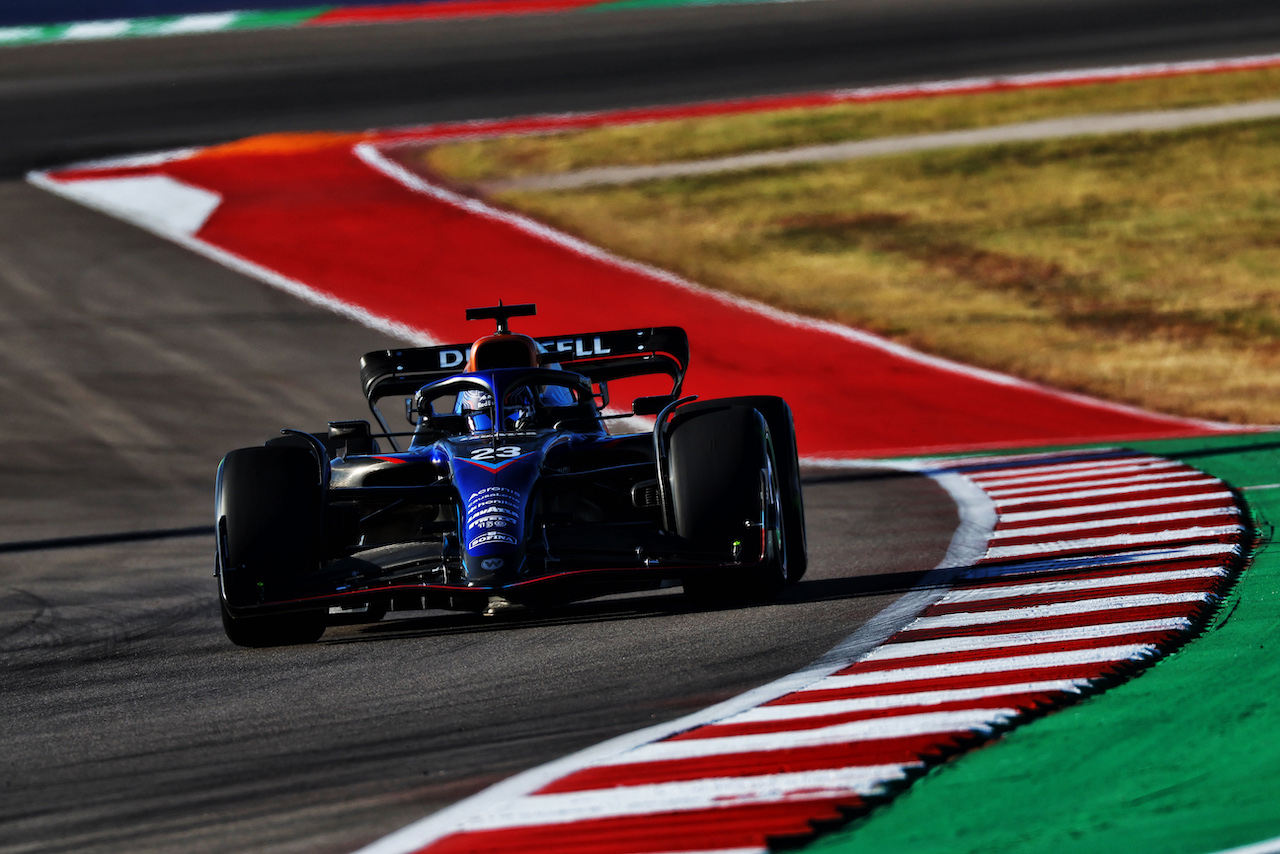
600 356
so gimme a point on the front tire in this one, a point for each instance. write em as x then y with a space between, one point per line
782 432
274 629
269 539
724 493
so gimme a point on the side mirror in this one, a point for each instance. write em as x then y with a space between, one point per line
354 436
652 405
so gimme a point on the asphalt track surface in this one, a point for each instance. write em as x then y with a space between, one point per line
62 102
130 366
131 724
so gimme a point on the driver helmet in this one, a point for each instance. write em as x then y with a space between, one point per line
477 405
512 350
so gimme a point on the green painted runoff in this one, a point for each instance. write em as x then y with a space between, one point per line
1183 759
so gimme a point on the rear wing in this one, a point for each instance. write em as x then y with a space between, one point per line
600 356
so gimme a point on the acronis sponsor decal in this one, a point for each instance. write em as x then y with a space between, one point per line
494 516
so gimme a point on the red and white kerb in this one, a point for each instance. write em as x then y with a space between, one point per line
1099 563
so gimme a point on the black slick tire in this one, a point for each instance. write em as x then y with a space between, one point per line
782 431
718 452
269 526
273 630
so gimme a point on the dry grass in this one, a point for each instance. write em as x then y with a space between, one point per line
691 139
1141 268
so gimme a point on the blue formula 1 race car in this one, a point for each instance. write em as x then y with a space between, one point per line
510 488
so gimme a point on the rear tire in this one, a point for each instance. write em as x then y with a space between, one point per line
269 524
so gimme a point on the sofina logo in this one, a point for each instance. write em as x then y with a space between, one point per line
491 537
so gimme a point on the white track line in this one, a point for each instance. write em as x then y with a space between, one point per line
1111 490
986 667
899 726
302 291
1007 571
1270 846
965 619
97 30
1025 464
623 801
1088 483
1080 473
1118 522
802 711
1117 541
1014 591
941 646
979 465
1112 506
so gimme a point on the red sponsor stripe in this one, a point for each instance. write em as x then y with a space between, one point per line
1026 701
695 830
871 753
1190 610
